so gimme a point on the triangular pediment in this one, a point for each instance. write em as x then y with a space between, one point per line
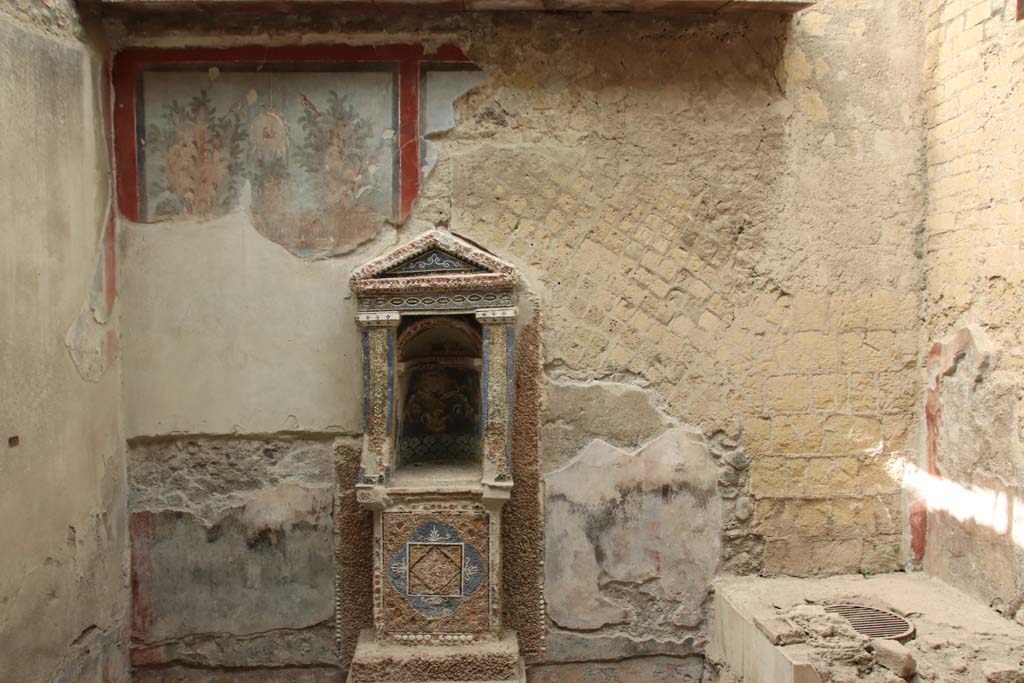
436 259
433 262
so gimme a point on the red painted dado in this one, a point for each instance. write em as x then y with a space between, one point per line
142 571
129 63
942 359
918 528
143 656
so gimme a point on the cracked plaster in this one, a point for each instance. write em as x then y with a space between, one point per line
610 588
63 572
259 592
673 221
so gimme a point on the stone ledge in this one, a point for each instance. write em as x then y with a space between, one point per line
520 677
757 619
712 6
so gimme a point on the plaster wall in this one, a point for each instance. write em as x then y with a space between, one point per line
719 217
63 569
975 228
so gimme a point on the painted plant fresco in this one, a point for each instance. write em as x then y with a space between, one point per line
310 154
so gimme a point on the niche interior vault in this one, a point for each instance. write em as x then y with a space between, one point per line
437 319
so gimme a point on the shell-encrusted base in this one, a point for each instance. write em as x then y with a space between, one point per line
479 662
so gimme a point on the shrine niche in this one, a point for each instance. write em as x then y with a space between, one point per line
439 361
437 319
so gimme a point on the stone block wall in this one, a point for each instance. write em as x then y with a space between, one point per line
692 239
718 218
740 234
974 170
969 476
63 541
832 431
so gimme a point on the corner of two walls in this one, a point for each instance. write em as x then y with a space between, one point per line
968 513
64 596
705 210
242 409
731 290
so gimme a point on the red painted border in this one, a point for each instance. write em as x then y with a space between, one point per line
110 230
130 62
123 73
141 536
408 134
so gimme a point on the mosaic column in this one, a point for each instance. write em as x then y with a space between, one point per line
496 417
378 343
498 387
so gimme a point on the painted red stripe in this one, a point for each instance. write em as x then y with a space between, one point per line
408 135
286 54
123 75
110 231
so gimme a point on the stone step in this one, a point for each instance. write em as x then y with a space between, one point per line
484 662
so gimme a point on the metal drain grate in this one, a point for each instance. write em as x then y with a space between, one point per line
874 623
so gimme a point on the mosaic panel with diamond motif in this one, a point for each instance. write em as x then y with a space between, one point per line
435 571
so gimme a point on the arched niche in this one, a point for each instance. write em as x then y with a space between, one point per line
439 434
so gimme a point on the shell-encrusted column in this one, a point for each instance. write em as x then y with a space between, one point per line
498 392
498 387
378 342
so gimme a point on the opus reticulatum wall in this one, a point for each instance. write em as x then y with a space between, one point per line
717 217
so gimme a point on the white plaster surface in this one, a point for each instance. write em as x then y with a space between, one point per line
63 563
632 544
440 90
225 331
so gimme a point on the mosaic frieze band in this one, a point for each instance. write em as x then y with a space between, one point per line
462 301
382 319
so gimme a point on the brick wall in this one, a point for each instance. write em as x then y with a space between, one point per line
974 67
975 157
832 413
